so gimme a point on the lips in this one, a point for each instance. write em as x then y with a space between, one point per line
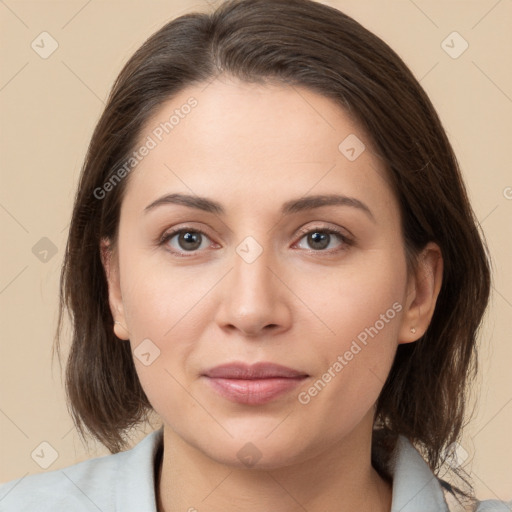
253 384
261 370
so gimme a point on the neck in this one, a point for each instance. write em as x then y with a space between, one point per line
339 479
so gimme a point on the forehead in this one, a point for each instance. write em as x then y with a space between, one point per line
252 141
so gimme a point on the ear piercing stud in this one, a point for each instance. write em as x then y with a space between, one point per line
413 330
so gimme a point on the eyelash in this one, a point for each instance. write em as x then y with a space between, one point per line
346 241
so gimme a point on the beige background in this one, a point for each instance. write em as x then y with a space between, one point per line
50 106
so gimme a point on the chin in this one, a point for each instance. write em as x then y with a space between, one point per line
258 452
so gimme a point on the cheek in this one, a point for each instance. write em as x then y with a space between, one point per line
159 299
159 305
363 310
166 311
362 296
369 306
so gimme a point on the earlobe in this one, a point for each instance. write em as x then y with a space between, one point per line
121 331
423 290
111 266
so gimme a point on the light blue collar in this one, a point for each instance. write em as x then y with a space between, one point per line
415 487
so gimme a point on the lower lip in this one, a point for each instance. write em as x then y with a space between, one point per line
254 391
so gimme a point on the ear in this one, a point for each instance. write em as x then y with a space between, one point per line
110 263
423 288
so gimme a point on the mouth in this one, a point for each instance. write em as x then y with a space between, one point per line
253 384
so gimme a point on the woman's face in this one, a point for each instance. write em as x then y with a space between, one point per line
271 273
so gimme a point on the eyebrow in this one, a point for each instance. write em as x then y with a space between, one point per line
288 208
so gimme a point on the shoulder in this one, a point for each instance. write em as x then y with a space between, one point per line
78 487
102 483
494 506
415 487
478 506
70 487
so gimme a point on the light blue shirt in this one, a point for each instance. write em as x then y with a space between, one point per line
124 482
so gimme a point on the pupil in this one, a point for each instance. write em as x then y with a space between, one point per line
190 238
318 240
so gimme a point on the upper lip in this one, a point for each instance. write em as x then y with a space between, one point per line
262 370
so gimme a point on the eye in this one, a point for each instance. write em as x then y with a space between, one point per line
192 240
319 239
185 240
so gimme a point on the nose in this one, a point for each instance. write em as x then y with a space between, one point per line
254 298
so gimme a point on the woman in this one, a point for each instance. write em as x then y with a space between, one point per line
272 248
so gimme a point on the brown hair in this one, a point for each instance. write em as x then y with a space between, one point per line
297 42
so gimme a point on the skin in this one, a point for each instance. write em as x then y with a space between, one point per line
252 148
